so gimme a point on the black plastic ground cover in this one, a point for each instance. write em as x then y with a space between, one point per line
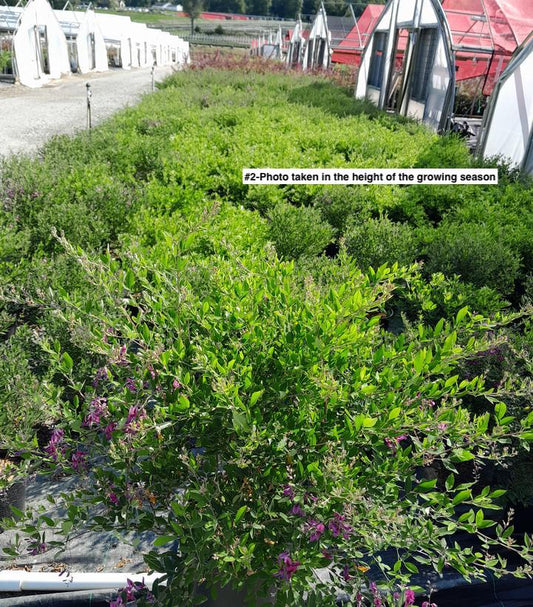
82 598
508 592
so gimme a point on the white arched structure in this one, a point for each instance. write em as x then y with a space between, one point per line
407 64
317 52
39 47
86 45
507 129
119 39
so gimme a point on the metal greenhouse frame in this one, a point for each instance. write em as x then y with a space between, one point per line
507 129
417 80
38 45
317 52
86 45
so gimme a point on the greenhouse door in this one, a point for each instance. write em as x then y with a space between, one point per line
92 51
41 48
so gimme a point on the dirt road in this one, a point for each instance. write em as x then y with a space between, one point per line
28 117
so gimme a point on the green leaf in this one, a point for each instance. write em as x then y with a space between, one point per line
129 279
255 397
395 413
239 514
411 567
66 362
369 422
450 481
183 403
461 497
164 539
461 314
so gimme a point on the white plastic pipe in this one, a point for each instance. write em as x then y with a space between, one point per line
18 581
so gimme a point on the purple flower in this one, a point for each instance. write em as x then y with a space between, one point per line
117 602
152 372
100 375
130 385
97 410
442 426
109 429
176 384
288 491
327 555
373 588
55 440
78 460
37 548
428 604
135 415
297 510
113 498
315 529
287 567
338 526
409 597
346 573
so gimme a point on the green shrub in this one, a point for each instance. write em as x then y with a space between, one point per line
476 254
377 241
298 231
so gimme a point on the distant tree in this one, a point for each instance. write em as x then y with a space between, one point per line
289 9
194 9
225 6
258 7
333 7
308 8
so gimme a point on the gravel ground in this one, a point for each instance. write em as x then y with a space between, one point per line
29 117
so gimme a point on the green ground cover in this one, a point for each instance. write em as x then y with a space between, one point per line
249 342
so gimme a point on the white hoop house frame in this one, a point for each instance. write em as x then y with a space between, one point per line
317 52
296 44
418 80
39 47
507 129
87 50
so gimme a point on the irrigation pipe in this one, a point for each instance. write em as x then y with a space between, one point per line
21 581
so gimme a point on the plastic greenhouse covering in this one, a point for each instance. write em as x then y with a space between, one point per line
87 51
317 52
408 65
507 129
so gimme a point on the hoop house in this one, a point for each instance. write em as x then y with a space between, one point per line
86 45
350 49
485 34
407 65
9 18
38 45
118 37
507 129
296 45
318 48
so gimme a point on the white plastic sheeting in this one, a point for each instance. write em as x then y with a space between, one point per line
408 64
507 129
86 43
48 44
318 48
296 46
39 45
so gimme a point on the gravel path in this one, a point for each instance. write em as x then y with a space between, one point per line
29 117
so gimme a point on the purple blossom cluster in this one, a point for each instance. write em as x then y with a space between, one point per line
52 448
132 592
287 567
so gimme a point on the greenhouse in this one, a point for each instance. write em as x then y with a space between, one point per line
407 65
317 52
507 129
296 45
119 39
38 43
86 45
